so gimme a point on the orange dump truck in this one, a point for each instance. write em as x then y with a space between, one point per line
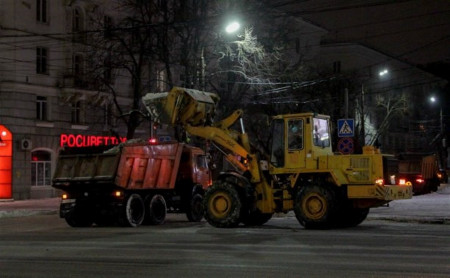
419 170
132 184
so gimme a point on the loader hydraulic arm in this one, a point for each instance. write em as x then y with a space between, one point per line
194 110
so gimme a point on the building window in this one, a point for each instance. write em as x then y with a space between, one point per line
41 108
107 70
78 70
77 112
41 168
41 11
76 22
41 60
108 25
337 67
297 45
108 116
78 26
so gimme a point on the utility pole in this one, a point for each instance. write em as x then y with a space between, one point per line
363 131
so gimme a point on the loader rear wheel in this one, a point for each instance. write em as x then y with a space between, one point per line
156 210
134 211
195 210
315 207
222 205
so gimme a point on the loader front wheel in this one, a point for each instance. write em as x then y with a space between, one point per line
315 207
222 205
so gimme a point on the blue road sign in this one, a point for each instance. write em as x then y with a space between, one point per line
346 127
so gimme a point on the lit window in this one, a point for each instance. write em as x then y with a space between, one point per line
40 168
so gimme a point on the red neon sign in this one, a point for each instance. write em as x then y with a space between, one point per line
5 163
79 141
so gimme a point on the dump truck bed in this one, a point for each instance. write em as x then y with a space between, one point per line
133 166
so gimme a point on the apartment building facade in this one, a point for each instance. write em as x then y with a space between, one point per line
45 105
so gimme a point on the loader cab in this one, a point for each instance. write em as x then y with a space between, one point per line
298 139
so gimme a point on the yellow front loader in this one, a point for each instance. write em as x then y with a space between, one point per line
301 173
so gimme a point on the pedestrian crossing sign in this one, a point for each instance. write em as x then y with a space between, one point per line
346 128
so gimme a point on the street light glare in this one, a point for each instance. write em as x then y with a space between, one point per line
432 99
384 72
232 27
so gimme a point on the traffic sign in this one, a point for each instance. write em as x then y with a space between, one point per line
346 146
346 127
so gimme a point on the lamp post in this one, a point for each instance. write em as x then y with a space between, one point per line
231 28
382 74
433 99
442 146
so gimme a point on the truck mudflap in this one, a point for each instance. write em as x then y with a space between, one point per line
380 192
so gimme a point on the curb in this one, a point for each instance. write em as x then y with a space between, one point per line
24 212
406 219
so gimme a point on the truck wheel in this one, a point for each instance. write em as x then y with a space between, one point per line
79 217
134 211
256 218
315 207
222 205
156 210
195 210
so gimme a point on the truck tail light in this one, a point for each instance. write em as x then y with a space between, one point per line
152 141
420 180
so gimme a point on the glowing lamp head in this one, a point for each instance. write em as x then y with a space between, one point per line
232 27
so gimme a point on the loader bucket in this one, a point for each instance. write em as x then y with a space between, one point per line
181 106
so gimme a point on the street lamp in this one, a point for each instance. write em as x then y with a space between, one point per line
232 27
383 73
